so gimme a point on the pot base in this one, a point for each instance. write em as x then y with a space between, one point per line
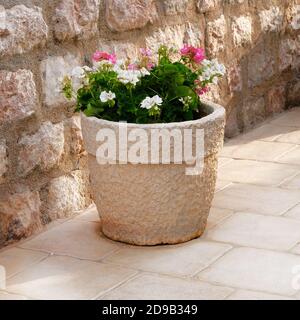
144 240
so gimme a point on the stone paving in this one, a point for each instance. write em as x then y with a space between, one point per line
251 249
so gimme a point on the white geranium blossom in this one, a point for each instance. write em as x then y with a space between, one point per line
78 72
212 70
129 76
144 72
107 96
149 103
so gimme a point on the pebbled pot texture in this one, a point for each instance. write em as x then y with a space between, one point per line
151 204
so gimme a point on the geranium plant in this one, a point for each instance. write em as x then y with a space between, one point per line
158 88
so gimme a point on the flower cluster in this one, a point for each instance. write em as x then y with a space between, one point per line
144 90
196 55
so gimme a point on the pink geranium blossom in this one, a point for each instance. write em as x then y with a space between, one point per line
146 52
102 55
202 91
195 54
133 66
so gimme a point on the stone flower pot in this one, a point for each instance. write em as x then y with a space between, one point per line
151 204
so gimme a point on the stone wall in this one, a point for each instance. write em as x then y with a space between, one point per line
43 173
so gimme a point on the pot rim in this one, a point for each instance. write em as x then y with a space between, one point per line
216 112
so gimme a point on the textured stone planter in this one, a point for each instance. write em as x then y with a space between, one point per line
150 204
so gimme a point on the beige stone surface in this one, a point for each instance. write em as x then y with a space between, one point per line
217 215
291 157
64 195
254 295
181 260
151 287
42 149
90 215
53 69
157 203
293 183
290 137
19 215
15 260
67 278
76 18
261 150
3 159
257 231
254 269
75 238
268 132
126 15
24 29
8 296
18 95
294 212
251 198
288 119
256 172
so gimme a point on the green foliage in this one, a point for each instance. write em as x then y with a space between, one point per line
174 82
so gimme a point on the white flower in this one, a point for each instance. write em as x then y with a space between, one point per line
128 76
212 70
100 64
78 72
107 96
149 103
144 72
87 68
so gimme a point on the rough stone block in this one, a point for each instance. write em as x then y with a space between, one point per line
65 195
21 29
76 18
216 32
18 96
125 15
53 69
3 160
43 149
19 215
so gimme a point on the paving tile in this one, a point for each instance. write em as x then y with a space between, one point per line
154 287
294 212
258 199
217 215
9 296
89 215
74 238
229 147
290 119
293 183
259 231
293 136
221 184
59 277
222 161
183 260
255 269
256 172
296 250
15 260
291 157
261 150
266 132
254 295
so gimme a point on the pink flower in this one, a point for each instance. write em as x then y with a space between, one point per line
150 66
101 55
132 66
146 52
185 50
195 54
201 91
